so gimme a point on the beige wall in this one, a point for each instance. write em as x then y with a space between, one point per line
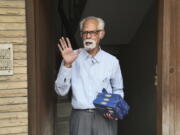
13 89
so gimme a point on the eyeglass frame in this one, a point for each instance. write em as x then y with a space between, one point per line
92 32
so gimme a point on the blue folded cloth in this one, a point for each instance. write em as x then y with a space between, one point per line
111 103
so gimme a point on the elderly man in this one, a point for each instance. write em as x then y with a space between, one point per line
88 71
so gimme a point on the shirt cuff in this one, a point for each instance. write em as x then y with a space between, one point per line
120 92
65 73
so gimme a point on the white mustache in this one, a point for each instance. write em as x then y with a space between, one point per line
89 40
90 46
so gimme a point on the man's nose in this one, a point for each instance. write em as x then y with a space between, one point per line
88 35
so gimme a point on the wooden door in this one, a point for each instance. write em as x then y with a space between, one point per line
168 95
42 43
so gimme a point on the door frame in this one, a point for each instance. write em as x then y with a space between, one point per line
166 57
166 67
40 51
31 24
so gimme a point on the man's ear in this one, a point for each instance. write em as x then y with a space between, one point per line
102 33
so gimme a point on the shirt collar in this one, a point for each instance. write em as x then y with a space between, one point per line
97 57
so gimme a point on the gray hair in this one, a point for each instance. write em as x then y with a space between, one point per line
101 23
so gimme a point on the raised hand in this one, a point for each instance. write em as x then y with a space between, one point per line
67 52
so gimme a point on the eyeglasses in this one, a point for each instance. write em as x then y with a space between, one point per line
92 33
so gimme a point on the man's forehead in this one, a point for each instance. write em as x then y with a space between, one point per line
90 24
91 20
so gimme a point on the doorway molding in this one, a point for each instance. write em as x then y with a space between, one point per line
32 67
167 66
41 23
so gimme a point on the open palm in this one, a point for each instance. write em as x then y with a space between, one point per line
67 52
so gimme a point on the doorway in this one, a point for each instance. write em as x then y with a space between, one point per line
134 44
136 51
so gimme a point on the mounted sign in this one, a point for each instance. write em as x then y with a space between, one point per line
6 59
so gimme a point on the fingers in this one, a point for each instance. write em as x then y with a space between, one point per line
105 116
64 43
68 43
115 118
109 116
59 46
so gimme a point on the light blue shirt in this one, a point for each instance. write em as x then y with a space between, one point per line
88 76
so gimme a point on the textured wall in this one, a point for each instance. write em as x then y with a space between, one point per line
13 89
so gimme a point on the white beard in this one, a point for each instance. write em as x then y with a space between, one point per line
89 44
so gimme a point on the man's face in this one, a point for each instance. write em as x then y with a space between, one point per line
91 34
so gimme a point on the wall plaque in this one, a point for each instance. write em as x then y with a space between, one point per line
6 59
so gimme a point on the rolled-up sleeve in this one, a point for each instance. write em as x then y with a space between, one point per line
63 81
117 80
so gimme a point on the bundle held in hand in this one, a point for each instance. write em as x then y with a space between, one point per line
111 103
